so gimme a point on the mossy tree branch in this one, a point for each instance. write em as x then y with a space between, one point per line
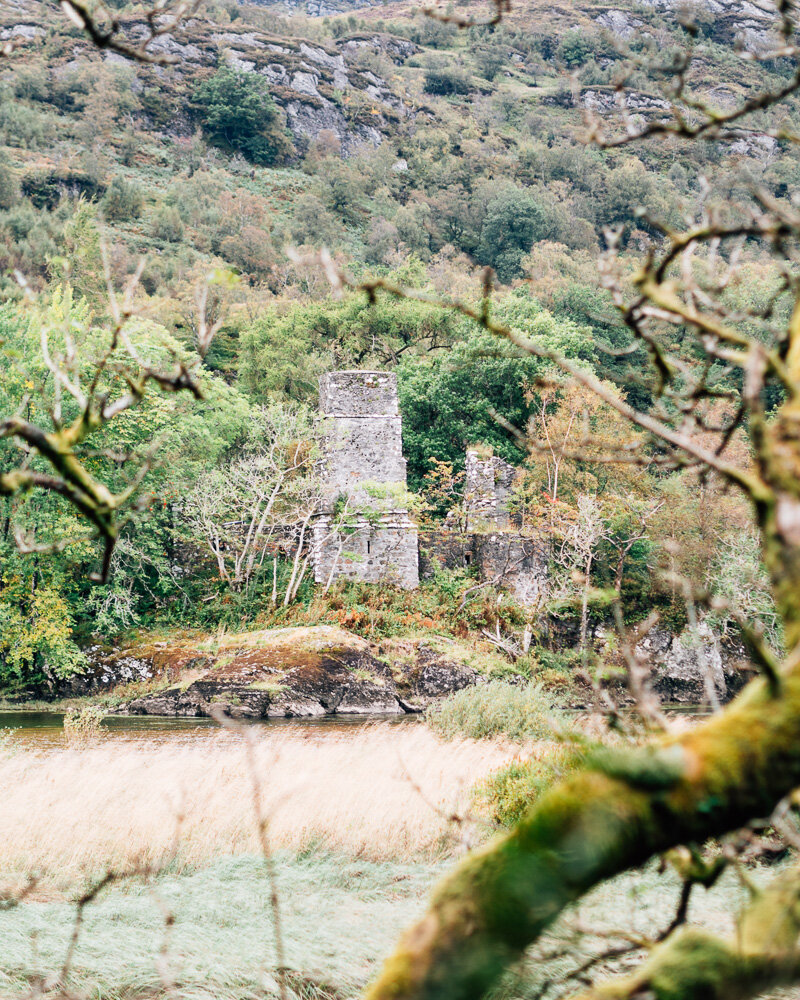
623 809
763 954
612 816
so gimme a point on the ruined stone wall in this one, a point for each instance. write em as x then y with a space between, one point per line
364 469
443 549
515 562
518 563
382 550
364 441
487 491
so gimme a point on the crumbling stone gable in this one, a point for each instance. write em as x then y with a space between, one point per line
365 473
487 491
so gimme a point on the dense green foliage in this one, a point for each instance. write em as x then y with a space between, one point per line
514 221
283 352
448 399
465 153
510 792
237 113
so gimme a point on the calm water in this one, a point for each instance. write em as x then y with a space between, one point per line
45 729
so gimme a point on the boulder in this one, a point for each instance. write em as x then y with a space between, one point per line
425 670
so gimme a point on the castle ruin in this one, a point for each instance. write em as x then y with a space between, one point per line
487 491
491 541
364 531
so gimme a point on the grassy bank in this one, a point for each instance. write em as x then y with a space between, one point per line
176 659
340 916
361 824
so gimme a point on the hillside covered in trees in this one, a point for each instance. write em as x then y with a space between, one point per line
413 151
442 366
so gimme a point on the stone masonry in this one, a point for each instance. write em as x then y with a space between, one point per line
499 552
509 559
364 532
489 481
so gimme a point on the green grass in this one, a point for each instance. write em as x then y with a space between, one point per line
340 917
518 712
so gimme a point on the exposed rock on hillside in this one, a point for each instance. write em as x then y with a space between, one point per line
619 23
320 89
687 668
748 23
605 100
287 672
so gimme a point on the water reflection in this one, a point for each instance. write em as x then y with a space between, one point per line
44 730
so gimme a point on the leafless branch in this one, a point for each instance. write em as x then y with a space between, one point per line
107 31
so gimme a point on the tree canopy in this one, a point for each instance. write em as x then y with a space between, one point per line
237 112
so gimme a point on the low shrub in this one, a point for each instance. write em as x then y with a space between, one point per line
46 188
83 724
6 741
167 224
446 80
9 183
123 200
518 712
508 793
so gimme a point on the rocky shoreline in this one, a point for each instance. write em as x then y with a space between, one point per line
282 673
314 671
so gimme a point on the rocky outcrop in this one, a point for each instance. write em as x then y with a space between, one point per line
424 670
323 89
287 672
694 667
319 88
752 24
619 22
606 101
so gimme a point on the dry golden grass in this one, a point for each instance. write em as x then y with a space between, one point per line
377 792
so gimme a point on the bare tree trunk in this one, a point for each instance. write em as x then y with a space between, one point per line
585 606
296 563
300 575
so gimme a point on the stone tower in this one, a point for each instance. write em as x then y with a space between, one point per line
364 532
489 483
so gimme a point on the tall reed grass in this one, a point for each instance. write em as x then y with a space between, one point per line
81 725
497 709
377 793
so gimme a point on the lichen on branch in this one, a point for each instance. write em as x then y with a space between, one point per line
607 818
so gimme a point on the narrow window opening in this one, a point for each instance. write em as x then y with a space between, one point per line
467 558
369 546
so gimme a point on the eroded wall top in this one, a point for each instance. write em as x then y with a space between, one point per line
358 394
